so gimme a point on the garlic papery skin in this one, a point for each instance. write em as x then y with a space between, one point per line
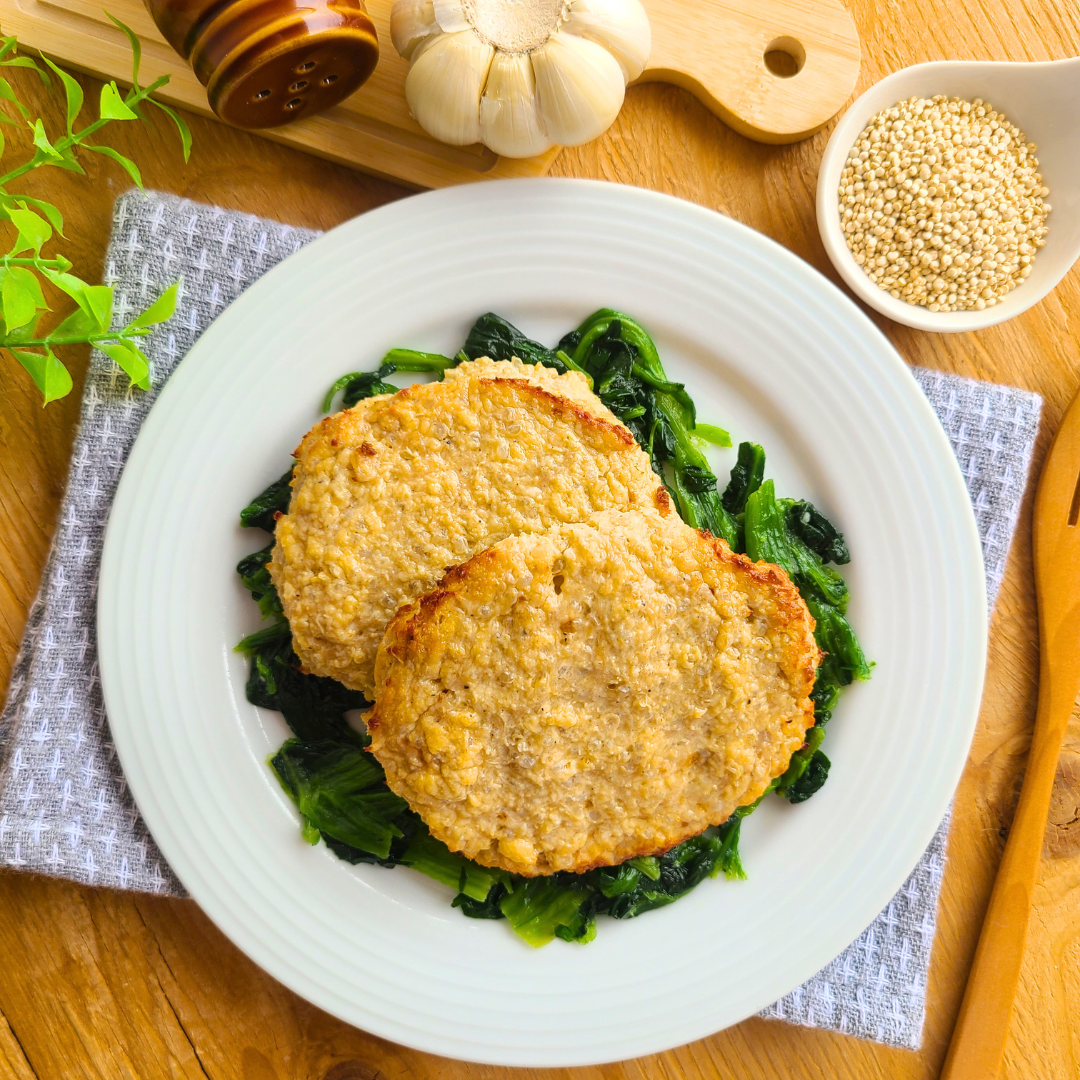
450 15
444 85
558 69
412 22
509 123
621 26
579 88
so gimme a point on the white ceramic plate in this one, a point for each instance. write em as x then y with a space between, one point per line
769 349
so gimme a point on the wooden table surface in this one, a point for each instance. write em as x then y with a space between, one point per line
103 984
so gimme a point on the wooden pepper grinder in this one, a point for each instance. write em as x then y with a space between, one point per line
268 62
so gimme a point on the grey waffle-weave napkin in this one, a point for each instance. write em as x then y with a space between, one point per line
64 805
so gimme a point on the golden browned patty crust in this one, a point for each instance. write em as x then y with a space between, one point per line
389 494
602 690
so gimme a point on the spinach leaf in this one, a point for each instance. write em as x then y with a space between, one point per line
630 380
414 360
800 762
681 869
818 533
777 530
359 385
432 857
313 706
408 823
768 537
256 579
844 661
488 908
815 775
341 792
539 908
262 511
494 337
746 476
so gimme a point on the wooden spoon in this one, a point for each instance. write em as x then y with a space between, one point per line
979 1037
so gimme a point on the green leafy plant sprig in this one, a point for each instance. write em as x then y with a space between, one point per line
22 301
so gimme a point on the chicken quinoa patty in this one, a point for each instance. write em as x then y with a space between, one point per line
602 690
389 494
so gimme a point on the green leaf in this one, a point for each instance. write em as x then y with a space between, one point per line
9 45
112 105
52 378
70 284
95 300
7 94
132 359
159 311
128 165
62 157
260 512
26 62
29 281
100 301
41 141
340 789
20 335
432 857
73 93
538 907
181 126
136 48
710 433
649 865
77 325
47 208
412 360
798 764
34 230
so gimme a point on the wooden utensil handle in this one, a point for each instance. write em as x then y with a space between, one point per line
979 1037
716 50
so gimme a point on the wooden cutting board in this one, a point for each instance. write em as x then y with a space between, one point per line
716 49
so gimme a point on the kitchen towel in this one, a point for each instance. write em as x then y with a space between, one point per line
64 805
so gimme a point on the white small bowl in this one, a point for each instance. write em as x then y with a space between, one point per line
1043 100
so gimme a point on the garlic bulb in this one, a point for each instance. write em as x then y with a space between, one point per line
520 76
411 24
509 119
444 85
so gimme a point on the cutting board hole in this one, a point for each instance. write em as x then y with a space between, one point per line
1074 509
785 57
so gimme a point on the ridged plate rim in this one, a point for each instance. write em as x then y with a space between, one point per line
469 990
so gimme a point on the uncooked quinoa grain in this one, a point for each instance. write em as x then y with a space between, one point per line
942 203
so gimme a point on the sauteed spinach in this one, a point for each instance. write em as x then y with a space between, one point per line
341 790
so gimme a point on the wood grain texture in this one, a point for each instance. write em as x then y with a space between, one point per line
105 985
978 1037
734 82
13 1063
373 129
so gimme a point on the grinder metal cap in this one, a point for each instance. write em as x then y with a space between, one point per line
268 62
